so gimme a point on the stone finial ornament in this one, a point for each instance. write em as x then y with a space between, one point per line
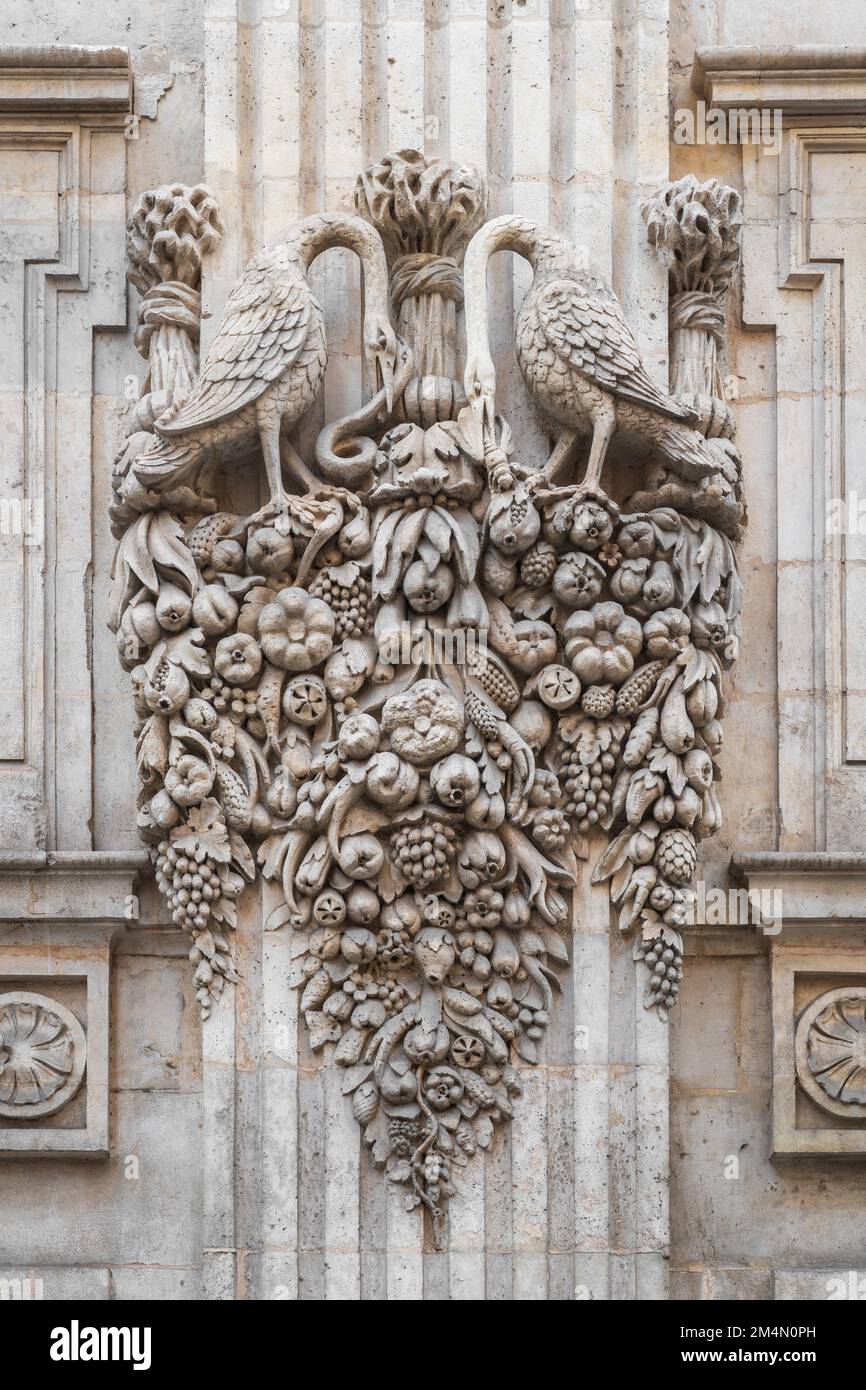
426 211
170 231
417 686
697 230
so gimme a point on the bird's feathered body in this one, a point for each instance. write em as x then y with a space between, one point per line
267 362
577 354
263 371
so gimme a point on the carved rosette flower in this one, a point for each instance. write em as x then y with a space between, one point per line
837 1049
42 1055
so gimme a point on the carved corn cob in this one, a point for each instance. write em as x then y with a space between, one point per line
494 680
482 716
638 687
234 797
205 534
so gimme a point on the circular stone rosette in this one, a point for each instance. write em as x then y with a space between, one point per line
830 1051
43 1053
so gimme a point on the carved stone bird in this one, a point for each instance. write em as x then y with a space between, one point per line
267 361
578 358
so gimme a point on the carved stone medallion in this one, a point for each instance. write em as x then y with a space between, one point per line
830 1048
42 1055
425 678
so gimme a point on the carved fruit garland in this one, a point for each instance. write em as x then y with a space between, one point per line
411 703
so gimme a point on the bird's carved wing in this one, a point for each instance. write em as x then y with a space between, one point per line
589 331
262 333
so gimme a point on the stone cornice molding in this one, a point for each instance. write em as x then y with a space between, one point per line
71 887
797 81
818 888
75 79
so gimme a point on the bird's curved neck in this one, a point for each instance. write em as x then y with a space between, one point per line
539 245
326 229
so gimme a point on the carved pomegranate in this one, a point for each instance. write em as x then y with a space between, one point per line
455 781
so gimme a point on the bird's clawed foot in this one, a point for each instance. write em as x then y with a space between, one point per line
575 492
331 492
278 511
591 492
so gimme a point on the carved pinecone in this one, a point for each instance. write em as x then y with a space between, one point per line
676 856
482 716
638 686
538 565
496 682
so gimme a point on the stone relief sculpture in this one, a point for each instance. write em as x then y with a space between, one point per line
696 229
830 1051
416 685
42 1055
579 361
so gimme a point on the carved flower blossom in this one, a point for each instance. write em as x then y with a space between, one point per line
601 644
442 1088
36 1054
484 908
297 631
550 829
425 723
837 1050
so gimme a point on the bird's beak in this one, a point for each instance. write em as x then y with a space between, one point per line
385 365
483 410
